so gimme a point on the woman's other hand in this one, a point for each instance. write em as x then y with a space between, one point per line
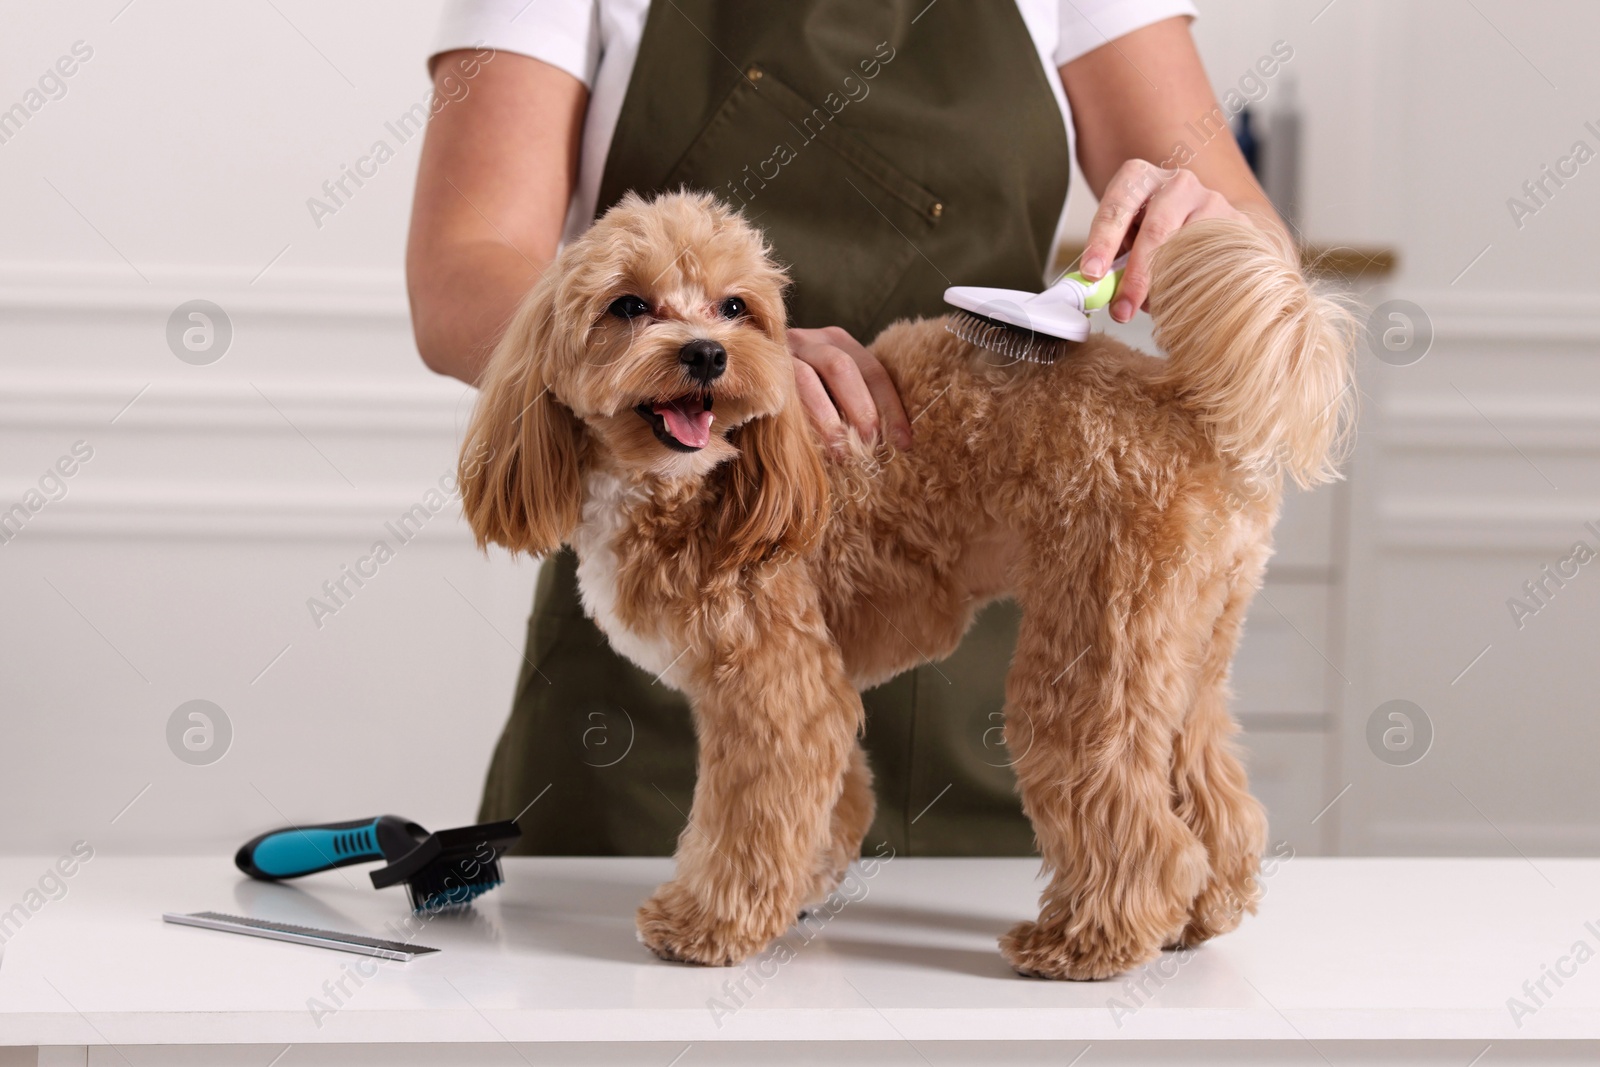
842 384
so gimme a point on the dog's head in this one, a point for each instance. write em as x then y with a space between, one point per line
653 346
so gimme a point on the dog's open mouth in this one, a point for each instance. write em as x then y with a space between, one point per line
683 424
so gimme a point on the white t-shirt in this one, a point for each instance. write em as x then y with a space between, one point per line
596 41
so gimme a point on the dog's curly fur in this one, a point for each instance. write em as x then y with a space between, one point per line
1125 501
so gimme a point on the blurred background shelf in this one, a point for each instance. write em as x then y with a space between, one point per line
1349 263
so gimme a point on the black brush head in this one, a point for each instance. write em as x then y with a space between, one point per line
434 889
450 868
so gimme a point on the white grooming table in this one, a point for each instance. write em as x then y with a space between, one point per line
1350 961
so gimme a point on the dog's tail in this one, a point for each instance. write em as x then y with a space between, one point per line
1262 358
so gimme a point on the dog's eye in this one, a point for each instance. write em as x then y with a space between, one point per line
628 307
731 308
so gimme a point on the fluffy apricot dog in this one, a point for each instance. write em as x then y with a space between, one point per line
641 408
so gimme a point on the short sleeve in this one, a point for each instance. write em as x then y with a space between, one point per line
562 33
1088 24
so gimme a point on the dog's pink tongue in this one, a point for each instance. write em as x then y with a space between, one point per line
686 422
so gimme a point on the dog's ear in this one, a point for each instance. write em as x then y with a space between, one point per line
777 490
519 477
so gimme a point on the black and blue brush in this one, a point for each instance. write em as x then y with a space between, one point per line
441 870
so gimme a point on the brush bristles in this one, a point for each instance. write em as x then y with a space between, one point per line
1015 344
434 891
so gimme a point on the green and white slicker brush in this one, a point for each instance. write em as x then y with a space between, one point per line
1032 327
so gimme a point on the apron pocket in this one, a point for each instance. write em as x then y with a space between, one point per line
847 205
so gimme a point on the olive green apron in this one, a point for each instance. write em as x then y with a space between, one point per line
887 150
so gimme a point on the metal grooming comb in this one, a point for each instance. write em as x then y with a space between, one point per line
301 935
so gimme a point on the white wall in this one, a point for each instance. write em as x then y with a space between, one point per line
1477 464
178 165
182 556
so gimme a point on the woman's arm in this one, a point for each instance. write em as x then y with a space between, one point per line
1133 102
497 171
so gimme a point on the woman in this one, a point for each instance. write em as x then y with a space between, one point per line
888 151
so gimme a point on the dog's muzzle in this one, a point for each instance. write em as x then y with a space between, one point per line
683 424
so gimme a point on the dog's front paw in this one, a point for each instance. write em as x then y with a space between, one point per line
1036 951
675 926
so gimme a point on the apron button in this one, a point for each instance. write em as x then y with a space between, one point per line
753 73
936 210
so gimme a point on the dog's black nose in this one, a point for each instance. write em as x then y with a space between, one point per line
704 360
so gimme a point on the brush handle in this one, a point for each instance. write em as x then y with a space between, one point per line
299 850
1100 293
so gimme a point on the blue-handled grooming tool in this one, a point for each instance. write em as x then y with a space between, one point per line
308 849
441 870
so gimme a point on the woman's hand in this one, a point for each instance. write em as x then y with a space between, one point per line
1144 205
841 383
1136 99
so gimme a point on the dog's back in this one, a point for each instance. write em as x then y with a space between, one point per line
1258 361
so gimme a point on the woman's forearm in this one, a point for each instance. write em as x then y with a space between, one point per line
497 171
461 300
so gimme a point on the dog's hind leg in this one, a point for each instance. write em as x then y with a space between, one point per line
1096 693
1212 793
